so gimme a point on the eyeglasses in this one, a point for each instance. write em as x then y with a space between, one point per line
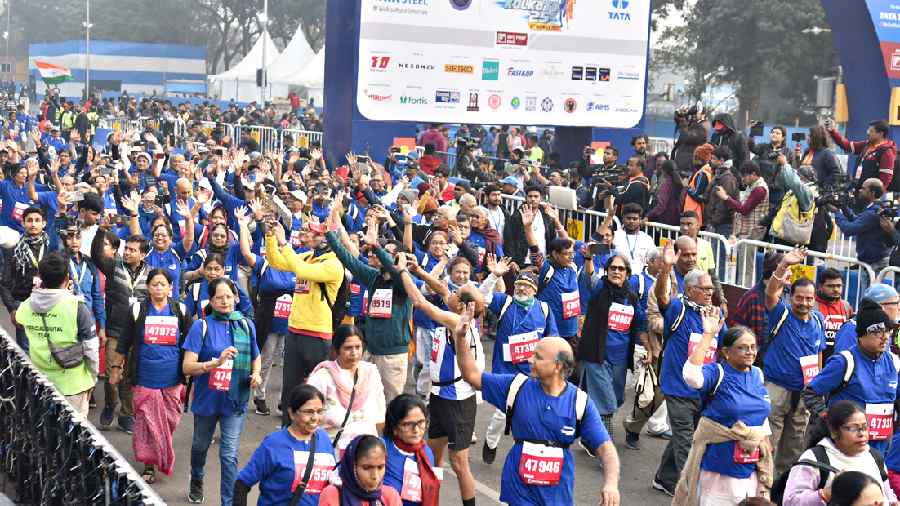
706 289
621 268
421 424
745 348
861 428
312 412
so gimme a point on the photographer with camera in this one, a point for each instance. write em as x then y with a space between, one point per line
876 154
637 191
691 129
465 159
725 134
871 245
605 179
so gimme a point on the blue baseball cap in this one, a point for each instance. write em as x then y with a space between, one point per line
880 292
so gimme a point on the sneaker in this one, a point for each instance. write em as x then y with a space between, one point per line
106 416
666 434
92 403
126 424
632 440
195 492
587 449
261 407
474 438
662 488
488 454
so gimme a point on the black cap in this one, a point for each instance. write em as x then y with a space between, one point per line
872 318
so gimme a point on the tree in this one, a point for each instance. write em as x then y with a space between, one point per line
755 46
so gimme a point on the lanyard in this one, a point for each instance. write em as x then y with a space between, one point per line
78 275
630 247
40 256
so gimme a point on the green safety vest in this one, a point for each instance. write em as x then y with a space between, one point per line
62 329
68 120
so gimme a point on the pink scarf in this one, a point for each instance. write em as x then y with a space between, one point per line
345 388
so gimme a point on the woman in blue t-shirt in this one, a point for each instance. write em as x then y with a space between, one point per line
731 450
222 354
197 294
151 341
279 463
168 255
409 460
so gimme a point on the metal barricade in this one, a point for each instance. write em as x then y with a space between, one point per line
51 454
746 260
589 220
217 130
298 138
267 137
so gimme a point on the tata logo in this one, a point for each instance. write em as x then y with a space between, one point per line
547 104
490 70
446 97
415 66
597 107
407 100
459 69
514 72
461 5
619 10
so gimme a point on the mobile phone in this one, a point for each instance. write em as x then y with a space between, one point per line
798 136
363 159
106 170
159 156
598 249
76 196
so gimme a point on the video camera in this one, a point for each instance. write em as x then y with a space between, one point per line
610 178
689 113
889 209
838 194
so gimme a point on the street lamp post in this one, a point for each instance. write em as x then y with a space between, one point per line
264 21
87 48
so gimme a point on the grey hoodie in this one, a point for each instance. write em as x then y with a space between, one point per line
44 299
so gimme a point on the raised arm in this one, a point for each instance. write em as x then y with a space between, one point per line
446 318
775 284
661 287
467 367
243 222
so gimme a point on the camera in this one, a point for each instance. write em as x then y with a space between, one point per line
889 209
838 194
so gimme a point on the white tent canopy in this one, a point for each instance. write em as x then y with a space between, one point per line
292 60
239 82
313 75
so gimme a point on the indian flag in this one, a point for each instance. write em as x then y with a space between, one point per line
53 74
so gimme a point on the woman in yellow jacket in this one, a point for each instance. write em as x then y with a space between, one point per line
319 277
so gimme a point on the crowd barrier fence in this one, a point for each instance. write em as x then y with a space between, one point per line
222 129
51 455
299 138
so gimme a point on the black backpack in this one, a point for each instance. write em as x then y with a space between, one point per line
823 463
341 303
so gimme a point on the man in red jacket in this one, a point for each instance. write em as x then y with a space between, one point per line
876 154
836 311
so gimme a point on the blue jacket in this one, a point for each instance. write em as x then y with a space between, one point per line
870 239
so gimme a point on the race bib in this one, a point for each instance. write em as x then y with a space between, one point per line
382 303
296 240
301 286
620 317
323 464
742 456
161 330
220 377
19 210
438 338
710 356
571 304
412 482
880 418
520 347
365 304
810 367
540 464
283 306
481 252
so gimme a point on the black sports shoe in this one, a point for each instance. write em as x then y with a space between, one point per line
261 407
195 492
662 488
126 424
632 440
488 454
106 416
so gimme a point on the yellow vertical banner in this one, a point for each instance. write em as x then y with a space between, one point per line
894 112
575 229
841 112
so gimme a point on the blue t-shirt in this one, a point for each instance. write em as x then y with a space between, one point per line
272 282
15 201
427 262
675 353
273 467
207 401
396 460
524 325
171 261
796 339
620 330
873 382
159 365
358 292
742 396
635 283
197 298
233 258
846 338
563 286
541 417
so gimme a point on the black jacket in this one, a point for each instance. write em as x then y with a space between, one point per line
732 138
689 138
117 294
514 244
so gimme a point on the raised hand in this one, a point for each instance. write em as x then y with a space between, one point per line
795 256
527 216
131 202
315 154
242 216
711 321
257 208
183 209
351 158
669 255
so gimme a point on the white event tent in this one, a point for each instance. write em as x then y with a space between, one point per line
239 82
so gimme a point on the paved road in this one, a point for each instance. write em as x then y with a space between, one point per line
637 466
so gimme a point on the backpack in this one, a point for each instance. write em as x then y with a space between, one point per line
791 224
509 300
581 399
341 303
823 463
777 328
